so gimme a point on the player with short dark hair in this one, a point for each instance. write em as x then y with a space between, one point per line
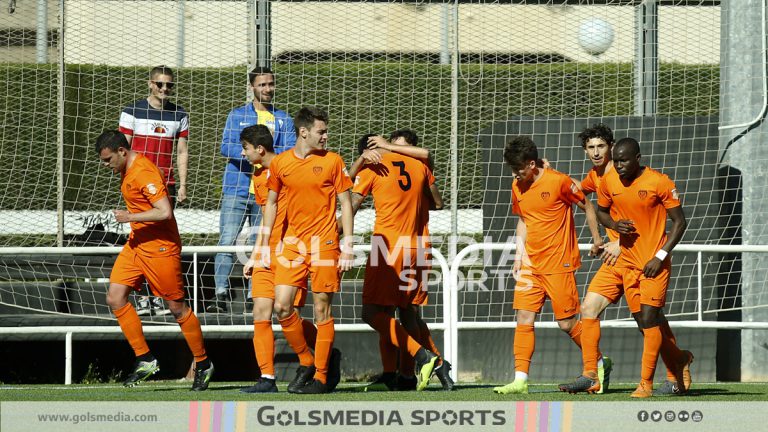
547 251
313 180
635 201
153 253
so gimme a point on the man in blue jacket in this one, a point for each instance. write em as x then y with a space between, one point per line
237 201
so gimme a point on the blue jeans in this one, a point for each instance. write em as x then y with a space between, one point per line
234 212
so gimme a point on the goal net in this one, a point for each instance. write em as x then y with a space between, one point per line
462 75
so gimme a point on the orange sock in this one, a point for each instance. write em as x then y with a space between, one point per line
670 353
131 325
190 328
425 338
264 346
575 334
325 335
294 334
388 354
590 341
386 325
524 345
310 332
651 346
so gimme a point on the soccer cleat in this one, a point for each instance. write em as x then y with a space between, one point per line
425 367
263 385
387 381
142 307
518 386
687 381
643 390
141 372
584 383
604 374
669 388
443 373
334 370
304 375
219 304
202 378
158 308
407 383
314 387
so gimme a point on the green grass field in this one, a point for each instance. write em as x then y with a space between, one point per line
229 391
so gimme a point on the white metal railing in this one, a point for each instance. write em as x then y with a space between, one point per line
69 331
457 262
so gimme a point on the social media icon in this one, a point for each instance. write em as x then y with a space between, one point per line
697 416
642 416
656 416
683 416
669 416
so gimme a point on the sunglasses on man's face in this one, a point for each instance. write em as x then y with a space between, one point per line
161 84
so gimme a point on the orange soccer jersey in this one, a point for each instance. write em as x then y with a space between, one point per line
546 208
260 193
397 185
143 185
310 186
590 184
645 201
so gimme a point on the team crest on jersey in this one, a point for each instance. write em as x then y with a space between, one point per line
357 180
152 188
574 188
674 194
317 170
642 194
545 196
159 128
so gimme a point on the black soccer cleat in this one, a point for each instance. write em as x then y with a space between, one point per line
202 377
263 385
443 373
304 375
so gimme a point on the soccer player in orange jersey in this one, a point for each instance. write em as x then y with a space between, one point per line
597 142
313 180
153 253
543 198
258 148
398 261
404 141
635 201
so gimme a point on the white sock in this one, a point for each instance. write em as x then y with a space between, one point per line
521 376
268 376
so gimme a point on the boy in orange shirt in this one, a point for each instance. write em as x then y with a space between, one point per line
153 253
258 148
313 180
547 251
635 201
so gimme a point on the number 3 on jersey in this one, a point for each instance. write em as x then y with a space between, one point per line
403 173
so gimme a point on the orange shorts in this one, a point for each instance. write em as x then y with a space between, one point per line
611 281
263 284
532 289
292 268
396 280
162 273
